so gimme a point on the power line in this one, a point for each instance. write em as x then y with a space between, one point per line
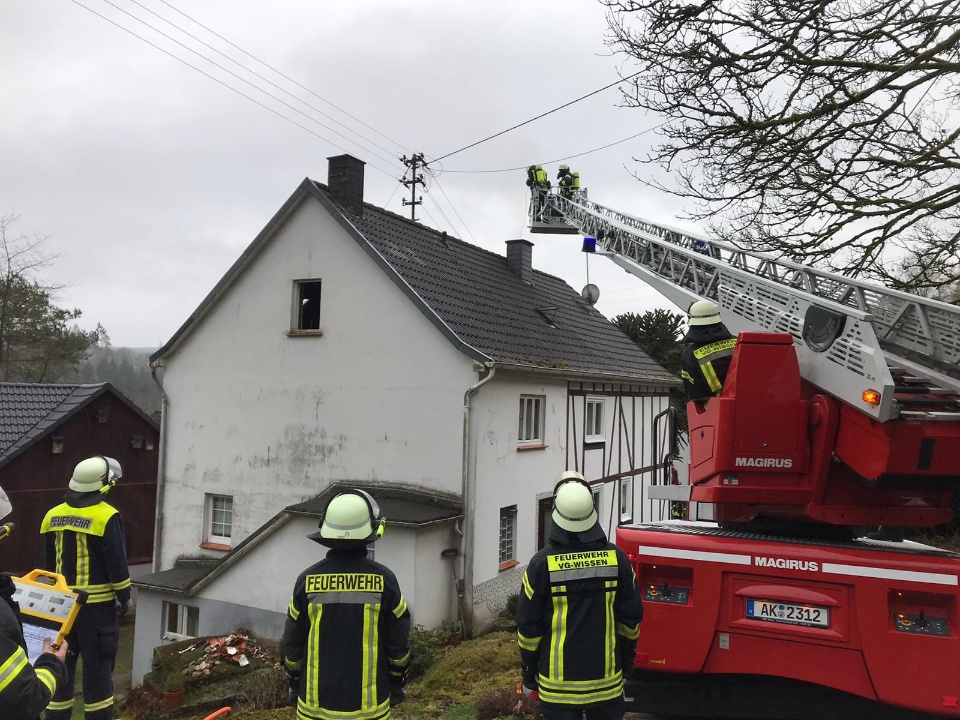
241 79
255 73
220 82
527 122
454 208
568 157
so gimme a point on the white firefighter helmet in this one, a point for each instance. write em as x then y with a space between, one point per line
352 518
6 507
97 473
573 508
703 312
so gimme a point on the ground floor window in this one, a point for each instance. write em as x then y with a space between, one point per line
180 620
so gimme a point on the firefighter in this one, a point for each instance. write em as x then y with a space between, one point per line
565 181
578 613
540 187
25 689
707 353
83 541
346 640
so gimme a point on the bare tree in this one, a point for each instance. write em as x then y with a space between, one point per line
822 130
38 341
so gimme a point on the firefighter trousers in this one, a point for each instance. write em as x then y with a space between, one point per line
95 638
607 711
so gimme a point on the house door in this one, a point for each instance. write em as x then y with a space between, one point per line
544 508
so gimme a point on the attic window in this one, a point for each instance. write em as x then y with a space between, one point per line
102 415
548 314
57 444
306 310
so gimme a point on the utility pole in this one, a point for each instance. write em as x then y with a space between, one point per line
413 163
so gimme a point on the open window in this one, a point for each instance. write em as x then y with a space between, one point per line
306 306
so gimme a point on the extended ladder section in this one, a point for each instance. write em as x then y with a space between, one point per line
853 339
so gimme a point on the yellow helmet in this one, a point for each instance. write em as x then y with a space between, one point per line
703 312
573 508
95 474
352 519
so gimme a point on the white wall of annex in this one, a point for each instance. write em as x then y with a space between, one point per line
272 420
265 576
504 475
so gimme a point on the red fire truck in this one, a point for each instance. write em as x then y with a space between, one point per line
841 409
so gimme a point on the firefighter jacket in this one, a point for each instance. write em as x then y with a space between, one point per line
705 360
578 619
25 689
346 638
83 541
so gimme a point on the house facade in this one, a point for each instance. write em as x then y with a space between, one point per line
351 346
45 430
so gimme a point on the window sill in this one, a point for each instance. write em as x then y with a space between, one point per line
215 546
508 564
305 333
522 448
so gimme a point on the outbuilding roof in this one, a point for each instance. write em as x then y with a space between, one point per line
30 411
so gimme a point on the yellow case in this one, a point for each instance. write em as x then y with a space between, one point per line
45 596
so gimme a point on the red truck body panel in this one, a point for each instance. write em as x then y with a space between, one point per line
872 619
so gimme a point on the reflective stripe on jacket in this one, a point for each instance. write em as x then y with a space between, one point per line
578 617
704 367
347 633
25 689
86 546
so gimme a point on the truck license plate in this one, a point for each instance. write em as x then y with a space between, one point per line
788 613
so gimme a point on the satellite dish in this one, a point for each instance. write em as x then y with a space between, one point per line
590 293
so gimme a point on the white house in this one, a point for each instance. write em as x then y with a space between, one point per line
350 346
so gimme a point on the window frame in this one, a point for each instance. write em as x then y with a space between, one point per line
507 537
537 439
626 496
210 538
590 434
187 620
297 303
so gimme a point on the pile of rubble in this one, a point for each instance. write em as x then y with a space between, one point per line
237 648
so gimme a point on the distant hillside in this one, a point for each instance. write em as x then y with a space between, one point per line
126 369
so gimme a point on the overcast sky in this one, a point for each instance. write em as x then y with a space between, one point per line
150 178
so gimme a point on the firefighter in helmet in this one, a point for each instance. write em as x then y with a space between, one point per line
578 613
346 640
707 352
25 689
565 181
83 541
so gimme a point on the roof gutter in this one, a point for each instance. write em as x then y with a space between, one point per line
465 583
575 373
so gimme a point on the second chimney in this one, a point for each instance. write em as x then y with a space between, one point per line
520 259
345 182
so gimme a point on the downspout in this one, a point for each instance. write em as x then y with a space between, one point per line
466 534
161 471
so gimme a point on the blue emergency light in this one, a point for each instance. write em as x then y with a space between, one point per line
589 244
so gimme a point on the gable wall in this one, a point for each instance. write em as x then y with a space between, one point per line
272 420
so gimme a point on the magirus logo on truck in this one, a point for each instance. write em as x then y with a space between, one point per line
785 564
763 462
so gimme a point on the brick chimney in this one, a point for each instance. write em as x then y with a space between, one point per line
520 259
345 182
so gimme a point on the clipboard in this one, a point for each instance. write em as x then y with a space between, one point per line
48 608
